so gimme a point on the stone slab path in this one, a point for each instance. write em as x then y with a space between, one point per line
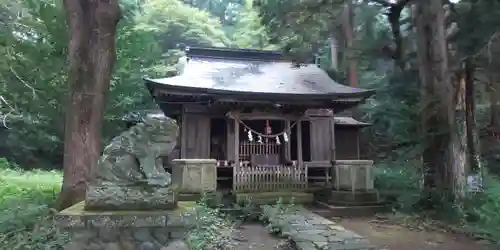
309 231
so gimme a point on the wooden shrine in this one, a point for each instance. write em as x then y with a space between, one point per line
268 124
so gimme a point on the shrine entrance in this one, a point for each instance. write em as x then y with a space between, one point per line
263 156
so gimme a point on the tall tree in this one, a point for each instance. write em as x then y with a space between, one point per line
92 27
443 152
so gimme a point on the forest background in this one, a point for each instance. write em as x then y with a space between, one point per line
435 114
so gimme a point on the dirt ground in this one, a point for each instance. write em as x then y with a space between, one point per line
394 237
383 235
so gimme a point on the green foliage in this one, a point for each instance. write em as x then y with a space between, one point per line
274 215
247 211
33 62
479 212
300 27
476 214
175 23
26 199
213 231
248 32
400 182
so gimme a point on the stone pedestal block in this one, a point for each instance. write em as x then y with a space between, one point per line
353 175
114 197
194 175
126 230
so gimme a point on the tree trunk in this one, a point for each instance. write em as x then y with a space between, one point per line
472 133
494 96
459 144
92 27
348 28
334 53
443 154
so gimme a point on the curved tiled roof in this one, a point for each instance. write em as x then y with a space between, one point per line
269 77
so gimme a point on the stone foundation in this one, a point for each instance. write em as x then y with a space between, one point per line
127 230
369 197
114 197
194 175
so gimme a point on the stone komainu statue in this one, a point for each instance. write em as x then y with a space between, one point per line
130 173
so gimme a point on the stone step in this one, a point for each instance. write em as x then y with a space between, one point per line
329 210
358 196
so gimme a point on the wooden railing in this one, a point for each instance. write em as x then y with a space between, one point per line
247 178
254 148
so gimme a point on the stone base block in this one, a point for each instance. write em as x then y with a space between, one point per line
323 194
127 230
353 175
113 197
195 175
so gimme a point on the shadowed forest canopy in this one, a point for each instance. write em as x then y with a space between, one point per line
150 39
372 43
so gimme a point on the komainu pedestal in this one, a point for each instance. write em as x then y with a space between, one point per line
130 173
127 230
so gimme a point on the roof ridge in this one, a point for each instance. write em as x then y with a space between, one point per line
232 53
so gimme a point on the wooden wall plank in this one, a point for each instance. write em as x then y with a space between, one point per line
184 133
347 143
203 137
321 139
230 147
196 142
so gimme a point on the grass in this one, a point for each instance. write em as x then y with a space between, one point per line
26 199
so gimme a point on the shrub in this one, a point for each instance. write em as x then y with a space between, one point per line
400 182
477 214
274 215
246 211
480 213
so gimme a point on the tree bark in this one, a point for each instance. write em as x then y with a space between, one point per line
443 155
348 30
334 52
472 132
494 96
92 28
459 144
